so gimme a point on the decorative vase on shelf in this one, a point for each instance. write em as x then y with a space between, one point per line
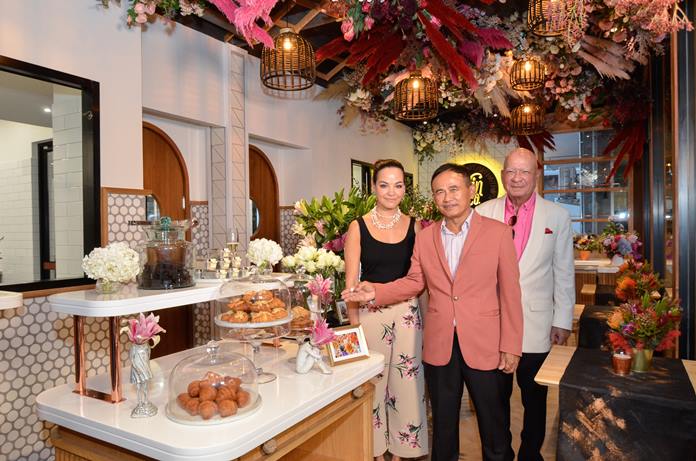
584 255
617 260
106 287
140 375
642 360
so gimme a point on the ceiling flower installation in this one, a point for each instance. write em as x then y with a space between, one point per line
470 51
585 56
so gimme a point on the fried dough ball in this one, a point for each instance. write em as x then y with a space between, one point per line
207 393
264 295
233 382
226 393
249 296
194 388
182 399
279 313
192 406
207 409
243 398
227 408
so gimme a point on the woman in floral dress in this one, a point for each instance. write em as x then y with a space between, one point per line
378 249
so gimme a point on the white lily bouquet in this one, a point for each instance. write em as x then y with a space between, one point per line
264 253
315 261
112 265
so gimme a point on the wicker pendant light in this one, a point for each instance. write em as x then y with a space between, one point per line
547 18
527 74
527 119
415 98
291 65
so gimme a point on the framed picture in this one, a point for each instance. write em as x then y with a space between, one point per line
348 345
342 312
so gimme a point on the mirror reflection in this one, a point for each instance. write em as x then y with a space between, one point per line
43 233
255 218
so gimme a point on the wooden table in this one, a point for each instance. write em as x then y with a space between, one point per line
641 417
557 361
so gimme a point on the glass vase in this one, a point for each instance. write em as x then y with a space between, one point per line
106 287
140 375
642 360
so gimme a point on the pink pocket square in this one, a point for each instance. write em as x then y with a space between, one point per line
548 231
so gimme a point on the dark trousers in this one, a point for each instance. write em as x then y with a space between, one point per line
534 403
487 390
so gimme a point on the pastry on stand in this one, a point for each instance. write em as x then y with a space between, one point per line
262 313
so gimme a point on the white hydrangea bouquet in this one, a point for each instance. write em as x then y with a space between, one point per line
264 253
112 265
315 261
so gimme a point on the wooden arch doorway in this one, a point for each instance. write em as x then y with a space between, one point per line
263 191
166 175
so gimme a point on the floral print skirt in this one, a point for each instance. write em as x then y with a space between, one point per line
398 411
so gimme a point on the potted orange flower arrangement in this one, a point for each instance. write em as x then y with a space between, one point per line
648 320
585 244
637 279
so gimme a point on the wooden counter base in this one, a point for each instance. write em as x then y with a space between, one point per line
339 431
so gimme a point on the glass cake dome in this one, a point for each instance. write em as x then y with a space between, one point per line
253 311
212 386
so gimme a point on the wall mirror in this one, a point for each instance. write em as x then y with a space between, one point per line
49 176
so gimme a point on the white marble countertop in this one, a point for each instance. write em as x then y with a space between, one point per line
286 401
131 300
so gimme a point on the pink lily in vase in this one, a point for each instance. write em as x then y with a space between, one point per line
321 288
321 333
143 329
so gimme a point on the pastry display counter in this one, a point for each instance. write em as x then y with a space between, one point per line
128 301
311 416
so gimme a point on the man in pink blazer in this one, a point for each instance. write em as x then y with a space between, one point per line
473 325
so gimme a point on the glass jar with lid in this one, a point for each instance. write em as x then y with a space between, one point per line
212 386
166 257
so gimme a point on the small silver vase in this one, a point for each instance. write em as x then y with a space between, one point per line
140 375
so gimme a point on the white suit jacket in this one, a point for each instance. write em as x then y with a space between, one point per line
547 271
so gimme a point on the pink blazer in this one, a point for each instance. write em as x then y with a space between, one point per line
484 298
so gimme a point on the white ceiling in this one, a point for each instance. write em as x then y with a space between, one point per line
22 99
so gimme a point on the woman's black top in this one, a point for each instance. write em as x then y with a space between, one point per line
385 262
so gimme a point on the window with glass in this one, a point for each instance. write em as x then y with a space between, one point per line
575 177
361 176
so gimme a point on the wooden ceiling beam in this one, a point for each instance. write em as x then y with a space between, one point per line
335 70
311 14
278 15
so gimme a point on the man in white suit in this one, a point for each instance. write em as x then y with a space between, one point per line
544 245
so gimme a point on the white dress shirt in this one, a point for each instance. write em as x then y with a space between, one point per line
454 243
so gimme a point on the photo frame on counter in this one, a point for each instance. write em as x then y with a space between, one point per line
342 312
349 345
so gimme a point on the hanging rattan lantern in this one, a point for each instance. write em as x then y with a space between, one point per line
291 65
527 74
415 98
546 18
527 119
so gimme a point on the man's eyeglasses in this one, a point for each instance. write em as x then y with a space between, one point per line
511 222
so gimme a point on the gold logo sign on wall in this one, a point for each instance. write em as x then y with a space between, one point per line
484 181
